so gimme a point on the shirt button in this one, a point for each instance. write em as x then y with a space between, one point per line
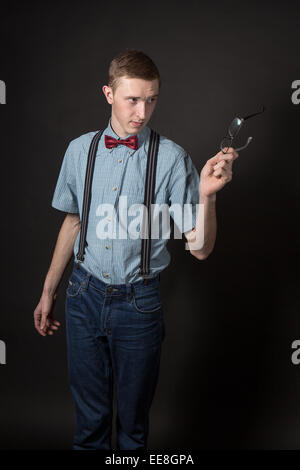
114 188
107 247
106 275
119 160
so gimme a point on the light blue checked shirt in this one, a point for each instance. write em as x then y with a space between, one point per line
119 172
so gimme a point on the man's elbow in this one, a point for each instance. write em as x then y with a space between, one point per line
201 255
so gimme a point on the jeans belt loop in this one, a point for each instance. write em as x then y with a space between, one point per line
87 280
131 291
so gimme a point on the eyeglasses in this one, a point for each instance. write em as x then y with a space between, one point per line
234 129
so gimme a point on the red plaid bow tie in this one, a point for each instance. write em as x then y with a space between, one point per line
131 142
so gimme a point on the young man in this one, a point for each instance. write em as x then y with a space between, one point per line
114 318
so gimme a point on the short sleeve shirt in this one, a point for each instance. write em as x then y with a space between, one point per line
113 241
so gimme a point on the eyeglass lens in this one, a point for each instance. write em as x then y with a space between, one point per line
235 127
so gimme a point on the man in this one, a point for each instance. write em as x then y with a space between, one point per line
114 318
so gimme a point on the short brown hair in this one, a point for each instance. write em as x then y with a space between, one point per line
133 64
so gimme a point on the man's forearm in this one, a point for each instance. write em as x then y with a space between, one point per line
205 229
62 253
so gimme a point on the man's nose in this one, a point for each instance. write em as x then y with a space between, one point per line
141 110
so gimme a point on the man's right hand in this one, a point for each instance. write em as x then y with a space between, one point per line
43 317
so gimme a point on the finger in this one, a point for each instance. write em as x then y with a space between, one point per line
44 321
209 167
227 166
53 322
41 332
228 176
231 150
220 164
220 172
219 158
213 160
48 325
228 157
220 155
216 162
37 320
224 178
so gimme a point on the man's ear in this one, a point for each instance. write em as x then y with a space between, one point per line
107 90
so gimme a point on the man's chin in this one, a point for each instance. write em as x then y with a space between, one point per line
137 128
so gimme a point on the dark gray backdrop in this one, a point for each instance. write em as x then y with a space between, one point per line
227 380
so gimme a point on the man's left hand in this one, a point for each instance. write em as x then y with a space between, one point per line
217 172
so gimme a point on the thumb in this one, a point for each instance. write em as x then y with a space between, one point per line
43 320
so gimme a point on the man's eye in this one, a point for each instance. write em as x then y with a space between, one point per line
134 100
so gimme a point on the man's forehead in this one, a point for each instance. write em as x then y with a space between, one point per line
138 87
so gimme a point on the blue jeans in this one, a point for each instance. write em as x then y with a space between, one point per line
114 334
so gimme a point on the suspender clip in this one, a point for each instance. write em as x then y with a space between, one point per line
78 263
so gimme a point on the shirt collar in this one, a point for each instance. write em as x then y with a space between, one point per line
142 136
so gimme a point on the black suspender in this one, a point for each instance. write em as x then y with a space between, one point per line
87 196
148 200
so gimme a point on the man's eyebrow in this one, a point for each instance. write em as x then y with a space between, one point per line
138 97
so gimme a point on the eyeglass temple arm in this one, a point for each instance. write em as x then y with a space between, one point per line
244 146
255 114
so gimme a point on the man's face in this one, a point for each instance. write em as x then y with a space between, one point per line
133 103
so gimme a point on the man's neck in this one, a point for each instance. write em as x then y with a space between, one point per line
118 130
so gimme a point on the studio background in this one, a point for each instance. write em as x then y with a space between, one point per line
227 380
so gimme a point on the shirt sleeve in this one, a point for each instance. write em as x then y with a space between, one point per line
184 193
65 194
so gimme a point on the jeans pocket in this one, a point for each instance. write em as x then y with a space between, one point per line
147 301
74 287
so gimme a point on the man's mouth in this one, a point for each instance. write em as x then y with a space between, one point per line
136 123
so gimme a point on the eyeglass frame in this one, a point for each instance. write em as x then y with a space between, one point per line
237 123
